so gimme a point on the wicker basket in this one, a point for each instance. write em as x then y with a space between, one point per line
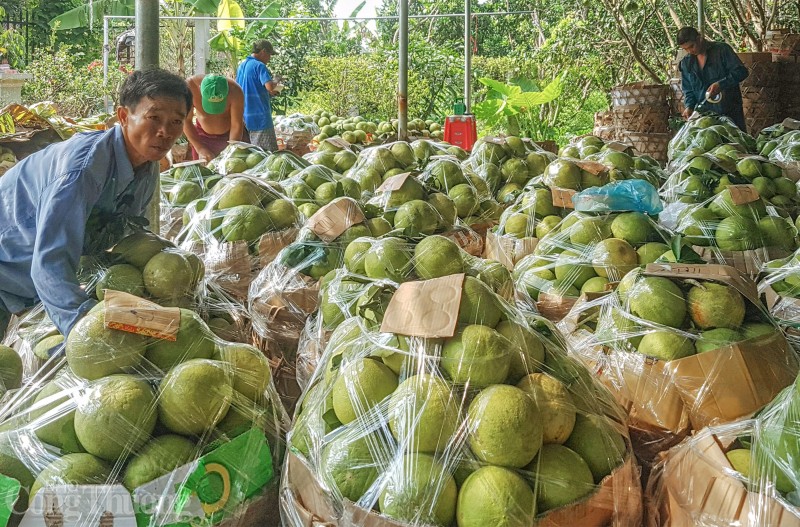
606 133
677 96
654 145
642 119
603 119
640 93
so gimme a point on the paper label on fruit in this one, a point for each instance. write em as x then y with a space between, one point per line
338 142
189 163
743 194
562 197
427 308
617 146
126 312
394 182
791 124
494 140
333 219
593 167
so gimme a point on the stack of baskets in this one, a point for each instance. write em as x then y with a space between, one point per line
641 117
785 49
604 126
761 91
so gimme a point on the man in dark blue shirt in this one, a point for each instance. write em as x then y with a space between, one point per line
258 86
67 198
712 68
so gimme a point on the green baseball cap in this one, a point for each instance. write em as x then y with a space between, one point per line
214 92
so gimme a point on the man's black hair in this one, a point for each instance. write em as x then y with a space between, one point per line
263 45
153 84
687 34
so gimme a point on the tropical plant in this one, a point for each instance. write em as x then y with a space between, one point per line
513 106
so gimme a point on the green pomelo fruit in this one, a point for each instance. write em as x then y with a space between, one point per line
785 187
657 299
563 173
418 217
419 491
185 192
194 396
764 186
245 223
94 351
590 230
465 198
599 444
518 225
724 207
555 405
352 465
613 258
411 189
698 226
572 270
504 426
446 174
563 477
378 226
740 459
169 275
716 338
666 345
650 252
479 305
446 209
116 417
138 248
121 277
495 496
251 371
194 341
355 253
10 369
597 284
527 355
53 414
477 355
424 414
713 305
282 214
72 469
43 347
540 200
547 225
360 385
389 259
634 227
437 256
738 234
777 232
492 273
240 191
752 330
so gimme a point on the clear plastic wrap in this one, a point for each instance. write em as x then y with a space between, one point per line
295 132
778 287
735 227
379 163
586 252
482 421
681 346
238 228
279 166
702 134
739 474
144 412
237 158
181 185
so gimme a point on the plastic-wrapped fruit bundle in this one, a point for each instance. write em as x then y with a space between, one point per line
354 129
154 419
735 227
279 166
742 473
295 132
704 134
507 164
591 147
586 252
425 149
286 291
180 186
315 186
237 158
677 343
459 412
779 286
35 339
379 163
777 135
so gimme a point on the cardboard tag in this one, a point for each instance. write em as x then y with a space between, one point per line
791 124
743 194
562 197
126 312
494 140
74 505
593 167
428 308
394 182
338 141
189 163
617 146
333 219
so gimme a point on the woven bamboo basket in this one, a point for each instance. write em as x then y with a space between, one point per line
654 145
677 96
782 42
640 93
789 73
606 133
603 119
763 73
642 119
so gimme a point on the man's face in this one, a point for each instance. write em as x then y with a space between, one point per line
263 56
694 47
152 127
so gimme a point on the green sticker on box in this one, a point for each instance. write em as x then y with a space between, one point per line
9 494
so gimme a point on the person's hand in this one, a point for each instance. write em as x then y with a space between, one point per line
204 153
687 113
714 89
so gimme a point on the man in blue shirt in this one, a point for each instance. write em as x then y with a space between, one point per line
256 81
75 197
711 67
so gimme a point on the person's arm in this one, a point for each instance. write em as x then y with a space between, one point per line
688 85
732 64
265 77
237 115
61 216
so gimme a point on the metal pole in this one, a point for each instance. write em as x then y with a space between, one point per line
147 44
402 92
147 48
467 55
106 101
701 16
202 32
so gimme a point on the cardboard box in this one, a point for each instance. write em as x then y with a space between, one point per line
748 262
508 250
616 501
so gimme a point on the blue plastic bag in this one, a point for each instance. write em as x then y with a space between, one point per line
636 195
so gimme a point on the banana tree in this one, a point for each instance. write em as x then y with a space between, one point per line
233 36
508 104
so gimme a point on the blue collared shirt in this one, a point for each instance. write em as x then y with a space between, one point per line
252 76
53 205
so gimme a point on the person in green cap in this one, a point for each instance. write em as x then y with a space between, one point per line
218 118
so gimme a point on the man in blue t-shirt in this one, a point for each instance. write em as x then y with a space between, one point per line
256 81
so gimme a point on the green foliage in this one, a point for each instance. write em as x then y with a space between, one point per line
514 105
60 76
